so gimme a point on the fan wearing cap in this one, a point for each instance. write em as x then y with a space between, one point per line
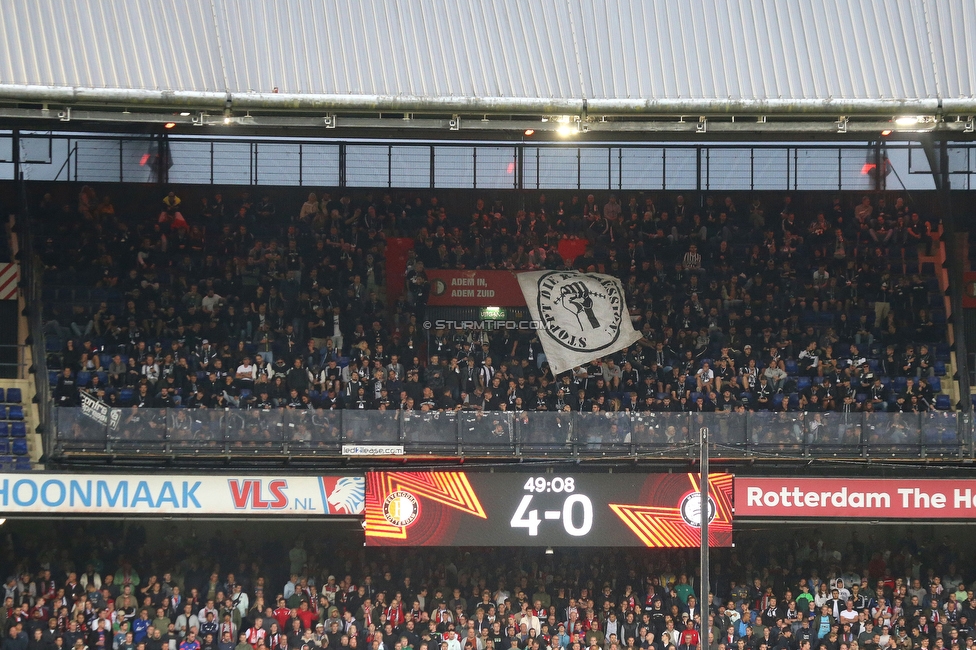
330 589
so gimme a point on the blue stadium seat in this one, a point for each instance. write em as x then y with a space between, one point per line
19 447
4 429
23 464
802 383
661 396
102 377
794 401
52 377
940 368
942 402
84 378
818 381
746 398
126 395
873 365
2 397
14 396
106 359
4 446
693 399
791 368
18 429
16 412
936 384
900 383
3 412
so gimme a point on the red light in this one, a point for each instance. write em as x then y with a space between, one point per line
529 132
145 159
511 170
169 125
867 169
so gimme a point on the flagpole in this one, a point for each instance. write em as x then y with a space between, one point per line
705 513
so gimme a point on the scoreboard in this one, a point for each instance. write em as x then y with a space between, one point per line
562 509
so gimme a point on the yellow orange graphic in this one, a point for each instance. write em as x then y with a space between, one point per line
388 509
659 526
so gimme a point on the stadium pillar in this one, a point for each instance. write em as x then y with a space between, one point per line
937 154
163 159
15 159
706 512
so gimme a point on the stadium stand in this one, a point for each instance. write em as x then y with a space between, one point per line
120 588
242 302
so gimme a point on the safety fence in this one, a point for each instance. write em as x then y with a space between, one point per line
500 434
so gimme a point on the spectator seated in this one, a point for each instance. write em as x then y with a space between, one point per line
244 303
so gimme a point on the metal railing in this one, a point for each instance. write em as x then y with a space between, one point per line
509 435
13 361
418 164
31 270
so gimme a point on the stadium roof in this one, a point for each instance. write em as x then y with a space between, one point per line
621 59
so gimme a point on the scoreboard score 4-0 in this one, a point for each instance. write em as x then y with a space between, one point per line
561 509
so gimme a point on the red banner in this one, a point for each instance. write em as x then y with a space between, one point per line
474 289
570 249
853 498
969 289
397 249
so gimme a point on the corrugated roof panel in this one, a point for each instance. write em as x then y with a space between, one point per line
805 49
507 48
140 44
953 25
633 52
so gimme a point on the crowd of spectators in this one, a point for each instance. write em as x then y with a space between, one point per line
243 303
802 593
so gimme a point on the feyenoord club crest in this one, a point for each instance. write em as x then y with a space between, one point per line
581 316
401 508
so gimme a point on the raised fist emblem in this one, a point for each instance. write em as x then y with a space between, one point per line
575 298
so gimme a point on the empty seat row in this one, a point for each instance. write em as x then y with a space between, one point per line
18 463
13 412
13 429
15 446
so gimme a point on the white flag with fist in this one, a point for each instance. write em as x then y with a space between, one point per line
582 316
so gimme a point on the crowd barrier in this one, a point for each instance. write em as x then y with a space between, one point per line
514 435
